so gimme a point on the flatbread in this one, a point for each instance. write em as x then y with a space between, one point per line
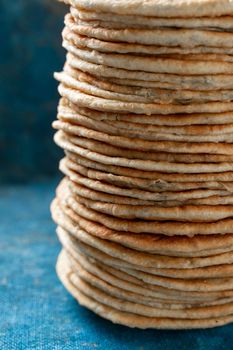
129 319
71 33
172 120
137 259
117 292
156 36
101 104
214 23
116 266
62 140
78 181
156 8
151 64
142 94
192 82
153 227
155 244
74 163
144 135
110 150
152 179
112 276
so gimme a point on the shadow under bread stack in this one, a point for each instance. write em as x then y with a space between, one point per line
145 210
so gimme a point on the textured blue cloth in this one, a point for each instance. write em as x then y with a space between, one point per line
37 313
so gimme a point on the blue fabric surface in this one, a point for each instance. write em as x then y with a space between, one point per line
36 312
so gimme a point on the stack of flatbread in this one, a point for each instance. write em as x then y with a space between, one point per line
145 210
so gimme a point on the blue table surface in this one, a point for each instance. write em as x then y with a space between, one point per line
36 312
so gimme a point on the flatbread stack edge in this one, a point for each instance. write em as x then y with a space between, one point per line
145 209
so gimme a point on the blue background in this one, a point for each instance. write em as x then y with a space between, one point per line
36 312
30 52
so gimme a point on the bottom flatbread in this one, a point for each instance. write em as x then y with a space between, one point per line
123 317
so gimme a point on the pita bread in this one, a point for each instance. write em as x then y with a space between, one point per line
117 292
146 165
144 213
66 270
156 36
77 181
155 244
212 53
151 178
186 213
191 82
137 259
159 244
124 25
143 94
72 162
204 120
71 33
214 23
111 276
144 135
106 149
105 197
156 8
165 228
68 130
114 266
151 64
99 103
95 266
131 320
155 283
73 79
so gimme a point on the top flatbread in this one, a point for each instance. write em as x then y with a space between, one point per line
154 22
159 8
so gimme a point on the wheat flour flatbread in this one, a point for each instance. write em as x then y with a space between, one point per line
136 258
151 135
99 103
71 34
117 292
142 278
185 213
163 200
214 23
156 8
173 120
201 311
174 246
129 319
114 267
110 150
151 64
74 163
146 165
197 246
78 180
167 228
198 82
144 135
152 179
156 36
142 94
113 277
68 130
